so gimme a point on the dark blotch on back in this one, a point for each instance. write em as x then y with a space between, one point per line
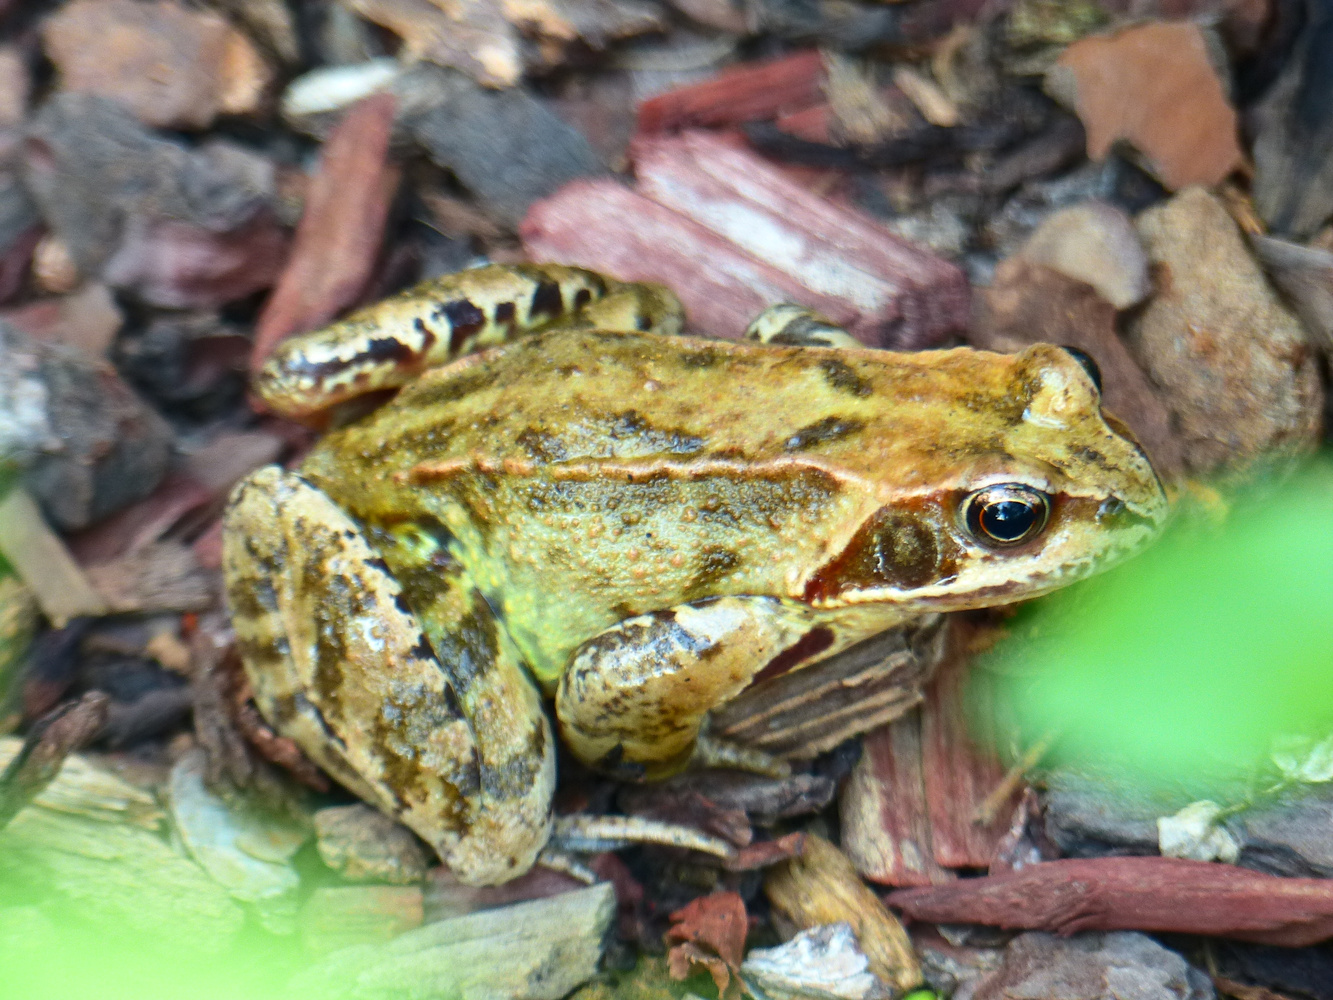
388 349
842 377
828 429
504 313
546 301
715 562
464 318
631 426
541 445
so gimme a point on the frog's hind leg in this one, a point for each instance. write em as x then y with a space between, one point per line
635 698
386 345
340 664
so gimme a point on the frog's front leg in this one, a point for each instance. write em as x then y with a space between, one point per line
388 344
635 697
452 741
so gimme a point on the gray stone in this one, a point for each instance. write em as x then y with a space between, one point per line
178 227
1118 966
506 146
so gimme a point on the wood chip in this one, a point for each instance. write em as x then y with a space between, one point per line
470 35
172 65
822 887
1166 895
709 932
900 295
933 103
341 229
540 950
82 788
907 811
340 916
804 713
164 576
41 559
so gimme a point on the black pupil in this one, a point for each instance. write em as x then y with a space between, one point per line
1008 520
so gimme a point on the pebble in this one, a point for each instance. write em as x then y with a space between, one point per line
362 843
824 961
173 66
1236 369
1090 967
1094 242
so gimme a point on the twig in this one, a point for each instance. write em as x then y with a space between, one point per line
53 738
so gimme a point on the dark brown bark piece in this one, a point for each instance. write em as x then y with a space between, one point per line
48 743
1167 895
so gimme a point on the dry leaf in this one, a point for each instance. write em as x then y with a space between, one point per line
1154 86
710 931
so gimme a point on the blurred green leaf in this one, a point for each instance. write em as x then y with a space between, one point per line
1182 667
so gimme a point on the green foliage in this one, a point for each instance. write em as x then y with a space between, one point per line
1181 667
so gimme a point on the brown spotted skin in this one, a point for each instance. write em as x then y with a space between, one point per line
650 521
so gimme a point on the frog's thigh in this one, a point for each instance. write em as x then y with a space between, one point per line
635 696
339 665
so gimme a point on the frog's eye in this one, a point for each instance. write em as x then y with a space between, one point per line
1006 514
1087 362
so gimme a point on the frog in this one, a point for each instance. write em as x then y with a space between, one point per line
567 501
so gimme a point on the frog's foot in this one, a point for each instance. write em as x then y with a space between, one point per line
583 834
635 697
791 325
340 664
710 751
386 345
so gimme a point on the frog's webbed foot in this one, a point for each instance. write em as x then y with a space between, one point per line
585 834
791 325
712 751
390 343
340 664
635 697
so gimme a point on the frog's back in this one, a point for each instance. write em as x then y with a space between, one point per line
582 397
584 477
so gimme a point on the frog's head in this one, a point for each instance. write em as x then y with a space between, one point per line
1028 486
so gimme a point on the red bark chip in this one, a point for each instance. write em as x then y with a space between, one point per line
731 235
607 227
903 295
1167 895
753 92
339 237
709 926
